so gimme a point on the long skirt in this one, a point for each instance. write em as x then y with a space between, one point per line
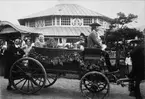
8 63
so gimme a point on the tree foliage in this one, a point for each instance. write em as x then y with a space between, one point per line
122 20
119 29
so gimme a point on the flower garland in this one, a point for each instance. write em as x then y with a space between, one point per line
66 56
55 60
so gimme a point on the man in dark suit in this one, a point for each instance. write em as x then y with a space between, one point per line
138 68
13 53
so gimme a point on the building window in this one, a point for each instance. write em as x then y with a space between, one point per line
65 21
53 21
39 23
48 22
87 21
58 21
77 22
32 24
26 23
60 40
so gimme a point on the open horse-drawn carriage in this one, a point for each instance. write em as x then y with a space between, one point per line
44 65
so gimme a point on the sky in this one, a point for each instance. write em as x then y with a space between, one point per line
12 10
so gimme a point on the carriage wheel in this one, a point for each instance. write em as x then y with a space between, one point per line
50 80
28 75
94 85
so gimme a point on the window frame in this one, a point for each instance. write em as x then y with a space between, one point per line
48 22
65 21
87 21
32 24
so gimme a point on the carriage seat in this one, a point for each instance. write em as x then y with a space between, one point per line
92 53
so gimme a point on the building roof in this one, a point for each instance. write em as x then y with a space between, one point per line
64 31
65 10
19 28
47 31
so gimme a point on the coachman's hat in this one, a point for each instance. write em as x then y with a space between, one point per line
94 24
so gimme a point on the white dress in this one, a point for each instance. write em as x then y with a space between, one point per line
27 49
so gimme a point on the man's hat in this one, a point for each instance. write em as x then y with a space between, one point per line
94 24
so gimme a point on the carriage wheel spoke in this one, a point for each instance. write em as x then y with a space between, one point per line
89 84
40 81
48 80
28 86
20 81
34 72
35 81
20 68
19 63
23 84
14 71
32 85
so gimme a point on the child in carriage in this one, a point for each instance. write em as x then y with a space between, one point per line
82 43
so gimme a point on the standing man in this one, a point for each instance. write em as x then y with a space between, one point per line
138 68
94 41
12 53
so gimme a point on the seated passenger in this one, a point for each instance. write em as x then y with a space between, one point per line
51 43
40 42
24 42
3 47
82 42
28 46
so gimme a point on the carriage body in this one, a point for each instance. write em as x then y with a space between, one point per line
67 60
57 59
44 66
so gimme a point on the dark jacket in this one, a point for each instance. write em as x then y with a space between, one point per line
93 41
138 62
11 55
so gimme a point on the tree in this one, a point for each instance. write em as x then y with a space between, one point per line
122 20
119 27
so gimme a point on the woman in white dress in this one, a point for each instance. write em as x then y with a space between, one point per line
28 46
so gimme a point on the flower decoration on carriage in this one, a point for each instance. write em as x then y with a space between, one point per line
58 60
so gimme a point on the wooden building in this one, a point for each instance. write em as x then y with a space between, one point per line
65 22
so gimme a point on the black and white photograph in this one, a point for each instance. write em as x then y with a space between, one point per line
72 49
